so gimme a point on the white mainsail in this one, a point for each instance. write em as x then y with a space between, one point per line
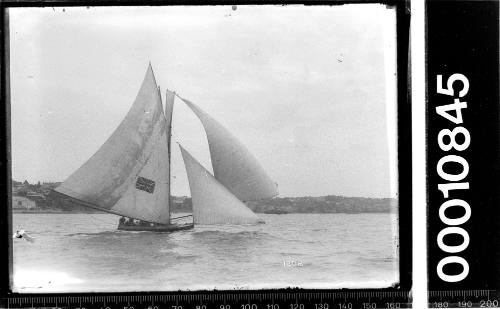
233 164
129 175
212 202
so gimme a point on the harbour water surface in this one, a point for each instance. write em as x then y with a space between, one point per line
85 252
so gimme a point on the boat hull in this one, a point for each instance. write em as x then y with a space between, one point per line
167 228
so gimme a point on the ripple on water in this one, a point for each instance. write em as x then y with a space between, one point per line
331 247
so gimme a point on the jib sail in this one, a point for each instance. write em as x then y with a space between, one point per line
212 202
233 164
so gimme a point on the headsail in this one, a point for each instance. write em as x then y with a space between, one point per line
233 164
128 174
212 202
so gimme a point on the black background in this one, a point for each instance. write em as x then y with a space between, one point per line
463 37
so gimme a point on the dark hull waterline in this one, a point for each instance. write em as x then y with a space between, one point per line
156 228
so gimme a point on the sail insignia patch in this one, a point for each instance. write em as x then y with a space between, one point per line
145 184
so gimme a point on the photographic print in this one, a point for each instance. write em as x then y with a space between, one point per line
201 148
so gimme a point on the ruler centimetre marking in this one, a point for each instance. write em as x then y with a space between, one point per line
220 300
464 299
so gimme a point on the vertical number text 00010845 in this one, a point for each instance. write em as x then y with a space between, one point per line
452 142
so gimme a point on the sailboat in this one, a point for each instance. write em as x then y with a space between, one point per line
129 175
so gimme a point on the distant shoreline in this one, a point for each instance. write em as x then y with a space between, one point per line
49 211
54 211
38 199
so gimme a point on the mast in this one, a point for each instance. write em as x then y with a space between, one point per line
169 109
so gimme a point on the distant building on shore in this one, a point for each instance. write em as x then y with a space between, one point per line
38 198
17 186
25 194
21 202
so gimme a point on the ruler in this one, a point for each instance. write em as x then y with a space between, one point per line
219 300
464 299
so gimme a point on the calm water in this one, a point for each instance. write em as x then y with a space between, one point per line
83 252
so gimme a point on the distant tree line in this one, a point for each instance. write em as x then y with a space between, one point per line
277 205
308 204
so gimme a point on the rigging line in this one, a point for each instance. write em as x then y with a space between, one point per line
175 93
90 205
181 217
99 220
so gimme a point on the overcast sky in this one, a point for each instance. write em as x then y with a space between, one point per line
309 90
